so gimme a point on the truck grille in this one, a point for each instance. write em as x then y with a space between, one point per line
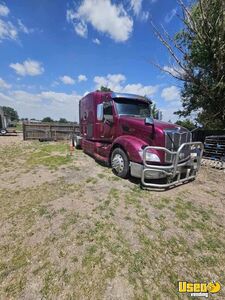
173 139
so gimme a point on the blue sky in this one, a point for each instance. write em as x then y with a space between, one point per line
53 52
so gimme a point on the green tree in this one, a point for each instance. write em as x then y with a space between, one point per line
63 120
105 89
47 120
187 124
11 112
154 111
199 56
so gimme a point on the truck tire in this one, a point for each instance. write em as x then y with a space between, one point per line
76 143
3 131
120 163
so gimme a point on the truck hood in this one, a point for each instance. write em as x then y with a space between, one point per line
160 125
141 122
137 127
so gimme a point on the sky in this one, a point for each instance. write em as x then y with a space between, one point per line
54 52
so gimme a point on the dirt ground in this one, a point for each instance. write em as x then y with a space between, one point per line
70 229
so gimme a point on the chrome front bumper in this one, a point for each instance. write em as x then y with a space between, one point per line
175 173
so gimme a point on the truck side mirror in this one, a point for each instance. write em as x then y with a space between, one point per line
149 121
100 112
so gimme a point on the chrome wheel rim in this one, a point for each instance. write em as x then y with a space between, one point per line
118 163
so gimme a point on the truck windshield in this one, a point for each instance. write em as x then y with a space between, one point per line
132 107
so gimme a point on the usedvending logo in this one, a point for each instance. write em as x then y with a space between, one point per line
198 289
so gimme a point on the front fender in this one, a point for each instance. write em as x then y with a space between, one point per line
132 145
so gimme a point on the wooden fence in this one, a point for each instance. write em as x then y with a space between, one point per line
49 131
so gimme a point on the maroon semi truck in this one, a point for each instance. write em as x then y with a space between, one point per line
118 129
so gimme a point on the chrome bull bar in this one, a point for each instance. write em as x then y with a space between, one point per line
173 171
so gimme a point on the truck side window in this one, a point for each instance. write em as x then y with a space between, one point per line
100 112
107 111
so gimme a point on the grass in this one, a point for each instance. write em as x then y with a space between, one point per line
91 180
69 220
29 156
19 127
78 241
50 155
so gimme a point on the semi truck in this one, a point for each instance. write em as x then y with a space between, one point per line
119 130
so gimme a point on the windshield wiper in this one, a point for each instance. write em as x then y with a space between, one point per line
131 115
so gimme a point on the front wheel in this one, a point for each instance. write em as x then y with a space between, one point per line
120 163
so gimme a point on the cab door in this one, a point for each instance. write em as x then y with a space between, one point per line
107 128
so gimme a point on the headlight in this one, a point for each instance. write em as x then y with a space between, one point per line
150 156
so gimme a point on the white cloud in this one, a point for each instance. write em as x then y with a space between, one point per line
170 15
173 103
28 67
140 89
4 10
81 29
136 5
168 113
112 81
96 41
46 103
6 100
116 82
67 80
54 83
144 16
104 16
71 16
8 31
82 78
171 93
23 28
174 70
4 84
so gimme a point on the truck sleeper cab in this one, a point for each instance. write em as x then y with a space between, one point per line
118 129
